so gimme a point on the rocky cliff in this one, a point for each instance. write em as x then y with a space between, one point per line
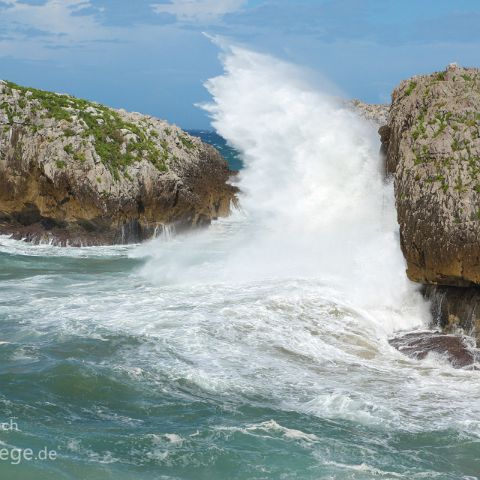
431 144
77 172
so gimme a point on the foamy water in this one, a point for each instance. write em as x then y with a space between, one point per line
255 349
314 203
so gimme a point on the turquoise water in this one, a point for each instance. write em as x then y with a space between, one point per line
129 378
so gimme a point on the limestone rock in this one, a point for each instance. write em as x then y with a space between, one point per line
432 146
77 172
376 113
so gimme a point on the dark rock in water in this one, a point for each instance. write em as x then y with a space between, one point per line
455 348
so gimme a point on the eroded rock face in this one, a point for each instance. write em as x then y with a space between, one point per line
455 309
77 172
432 145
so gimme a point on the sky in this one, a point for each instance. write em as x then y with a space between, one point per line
152 56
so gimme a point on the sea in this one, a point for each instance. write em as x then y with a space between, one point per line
256 348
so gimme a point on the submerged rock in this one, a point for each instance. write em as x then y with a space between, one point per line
432 146
454 348
77 172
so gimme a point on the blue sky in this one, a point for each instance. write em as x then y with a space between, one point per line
150 55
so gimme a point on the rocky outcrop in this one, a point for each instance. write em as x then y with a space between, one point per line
77 172
432 147
376 113
455 309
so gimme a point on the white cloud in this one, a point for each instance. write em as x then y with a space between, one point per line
54 17
58 28
32 30
204 11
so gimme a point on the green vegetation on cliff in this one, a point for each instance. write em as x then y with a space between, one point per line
432 145
100 123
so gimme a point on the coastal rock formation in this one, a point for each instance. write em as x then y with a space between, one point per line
432 147
455 309
374 112
77 172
